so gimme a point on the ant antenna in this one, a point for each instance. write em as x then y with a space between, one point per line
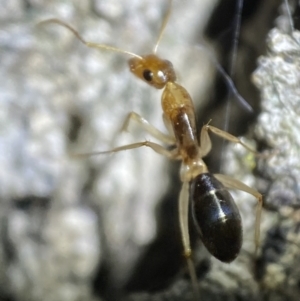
163 26
88 44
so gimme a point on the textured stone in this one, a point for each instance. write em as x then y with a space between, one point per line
63 218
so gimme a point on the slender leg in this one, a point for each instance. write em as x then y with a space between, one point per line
222 134
148 127
183 222
205 142
171 154
232 183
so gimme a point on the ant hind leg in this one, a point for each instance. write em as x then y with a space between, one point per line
232 183
183 222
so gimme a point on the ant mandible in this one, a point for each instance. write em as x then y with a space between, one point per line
213 208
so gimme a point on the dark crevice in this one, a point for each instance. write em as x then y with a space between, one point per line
162 260
75 127
257 19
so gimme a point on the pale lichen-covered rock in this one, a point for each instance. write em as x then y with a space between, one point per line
277 132
64 220
278 78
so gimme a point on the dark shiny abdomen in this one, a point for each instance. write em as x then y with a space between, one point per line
217 217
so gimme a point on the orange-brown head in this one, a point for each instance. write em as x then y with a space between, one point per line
153 70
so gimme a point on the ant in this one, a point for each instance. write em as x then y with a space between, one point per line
213 209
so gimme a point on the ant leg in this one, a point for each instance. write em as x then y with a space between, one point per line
222 134
183 222
148 127
171 154
205 142
232 183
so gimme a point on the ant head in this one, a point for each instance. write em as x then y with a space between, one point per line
153 70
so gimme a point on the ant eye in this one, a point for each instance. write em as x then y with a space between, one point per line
148 75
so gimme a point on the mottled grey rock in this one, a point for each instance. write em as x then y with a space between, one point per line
278 78
277 132
63 217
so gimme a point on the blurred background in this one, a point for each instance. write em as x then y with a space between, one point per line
106 227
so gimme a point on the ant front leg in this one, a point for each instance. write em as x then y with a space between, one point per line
232 183
148 127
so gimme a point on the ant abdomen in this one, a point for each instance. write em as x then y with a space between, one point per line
217 217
